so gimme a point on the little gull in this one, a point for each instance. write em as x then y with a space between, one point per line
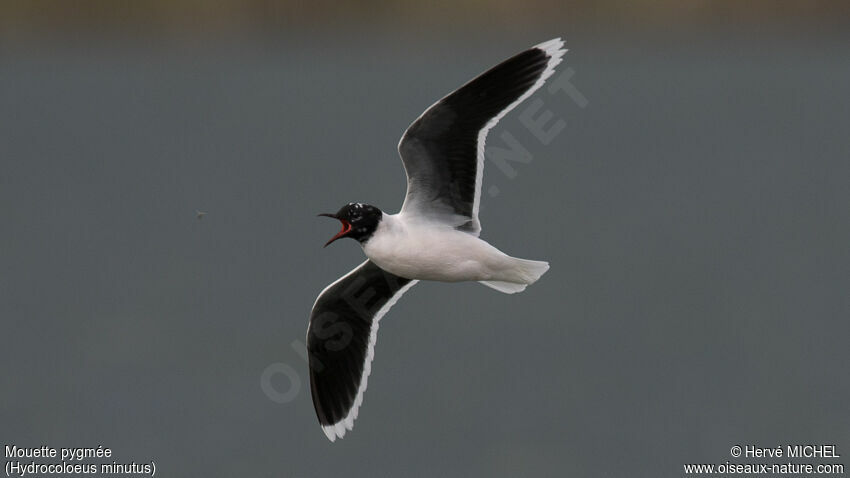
433 237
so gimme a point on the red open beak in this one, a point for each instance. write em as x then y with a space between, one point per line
346 228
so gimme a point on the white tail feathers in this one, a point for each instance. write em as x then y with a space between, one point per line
523 273
531 270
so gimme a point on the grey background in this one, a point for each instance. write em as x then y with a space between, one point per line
696 215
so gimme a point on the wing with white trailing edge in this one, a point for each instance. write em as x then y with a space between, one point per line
341 341
443 150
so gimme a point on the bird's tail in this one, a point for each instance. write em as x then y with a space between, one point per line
522 273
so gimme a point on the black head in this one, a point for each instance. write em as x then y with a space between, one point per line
359 221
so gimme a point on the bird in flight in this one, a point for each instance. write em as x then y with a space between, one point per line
433 237
200 214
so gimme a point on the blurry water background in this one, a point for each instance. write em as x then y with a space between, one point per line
696 214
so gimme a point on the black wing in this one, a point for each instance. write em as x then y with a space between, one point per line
341 341
443 150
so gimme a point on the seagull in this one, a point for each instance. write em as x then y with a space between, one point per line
434 237
200 214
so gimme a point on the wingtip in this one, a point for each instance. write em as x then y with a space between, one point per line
332 433
554 47
338 429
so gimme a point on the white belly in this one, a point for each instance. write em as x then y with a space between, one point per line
434 253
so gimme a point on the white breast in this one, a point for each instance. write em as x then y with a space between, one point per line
431 251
